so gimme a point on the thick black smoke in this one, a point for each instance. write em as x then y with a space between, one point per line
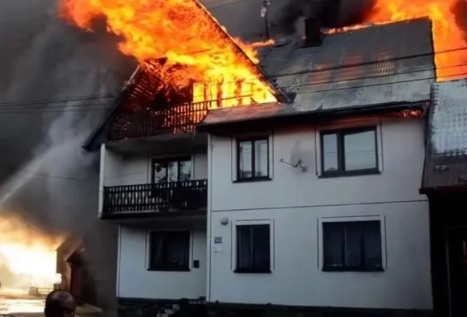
459 9
43 170
331 13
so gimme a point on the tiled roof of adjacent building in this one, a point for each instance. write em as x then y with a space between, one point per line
446 151
378 65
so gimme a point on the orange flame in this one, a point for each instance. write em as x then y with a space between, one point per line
449 39
184 33
30 254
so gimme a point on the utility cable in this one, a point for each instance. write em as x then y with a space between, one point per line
10 107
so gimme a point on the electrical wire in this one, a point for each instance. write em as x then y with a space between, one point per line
104 106
60 108
223 4
54 100
31 105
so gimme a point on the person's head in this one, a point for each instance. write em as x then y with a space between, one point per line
59 304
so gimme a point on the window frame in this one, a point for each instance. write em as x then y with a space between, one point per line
185 268
340 136
236 267
167 160
361 268
252 140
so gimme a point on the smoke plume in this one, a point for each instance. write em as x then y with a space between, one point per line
331 13
49 73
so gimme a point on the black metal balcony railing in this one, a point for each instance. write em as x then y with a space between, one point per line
162 197
181 118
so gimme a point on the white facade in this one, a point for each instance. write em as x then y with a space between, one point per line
135 168
134 278
295 203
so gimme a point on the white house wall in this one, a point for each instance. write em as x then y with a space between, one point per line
401 150
135 281
297 278
295 203
132 169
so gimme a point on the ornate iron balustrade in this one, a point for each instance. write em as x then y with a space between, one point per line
181 118
161 197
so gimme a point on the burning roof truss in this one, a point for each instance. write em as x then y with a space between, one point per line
149 106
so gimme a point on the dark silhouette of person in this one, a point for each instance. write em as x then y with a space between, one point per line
59 303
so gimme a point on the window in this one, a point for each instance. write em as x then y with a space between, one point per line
352 246
253 249
253 159
169 250
349 152
171 170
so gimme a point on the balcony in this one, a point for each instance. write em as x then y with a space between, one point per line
155 199
174 119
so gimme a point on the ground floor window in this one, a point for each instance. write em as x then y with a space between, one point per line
253 249
169 250
352 246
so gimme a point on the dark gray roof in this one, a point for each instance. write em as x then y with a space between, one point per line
446 151
382 64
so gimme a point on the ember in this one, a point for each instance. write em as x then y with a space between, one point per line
184 34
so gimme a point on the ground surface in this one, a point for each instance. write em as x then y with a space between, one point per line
35 307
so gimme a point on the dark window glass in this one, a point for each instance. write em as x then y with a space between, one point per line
169 250
171 170
352 246
253 159
330 159
349 151
253 249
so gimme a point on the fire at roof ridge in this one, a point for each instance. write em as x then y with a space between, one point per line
278 93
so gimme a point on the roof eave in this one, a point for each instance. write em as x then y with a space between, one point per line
309 117
91 144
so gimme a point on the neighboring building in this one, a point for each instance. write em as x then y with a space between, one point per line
445 184
71 267
313 204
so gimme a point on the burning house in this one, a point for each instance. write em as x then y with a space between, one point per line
298 192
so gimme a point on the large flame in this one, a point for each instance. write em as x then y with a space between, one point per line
28 255
449 38
184 33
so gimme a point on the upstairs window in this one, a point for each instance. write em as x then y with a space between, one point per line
352 246
253 249
253 159
349 152
169 250
171 170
